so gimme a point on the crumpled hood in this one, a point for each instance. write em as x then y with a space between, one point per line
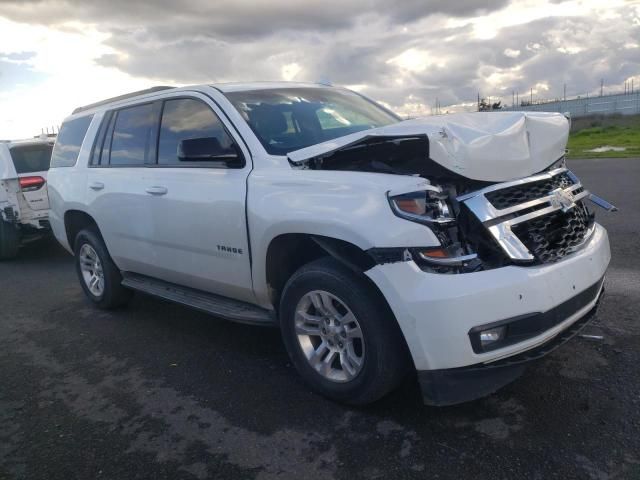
487 146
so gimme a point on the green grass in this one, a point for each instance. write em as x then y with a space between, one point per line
615 136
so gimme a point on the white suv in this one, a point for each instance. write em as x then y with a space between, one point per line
24 206
456 246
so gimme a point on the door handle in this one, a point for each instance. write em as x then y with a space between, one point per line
96 186
156 190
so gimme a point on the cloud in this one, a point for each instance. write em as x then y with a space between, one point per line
235 18
17 57
406 55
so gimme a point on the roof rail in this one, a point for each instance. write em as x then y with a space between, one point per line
121 97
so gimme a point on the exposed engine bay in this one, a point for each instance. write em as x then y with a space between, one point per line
502 194
463 234
410 156
395 155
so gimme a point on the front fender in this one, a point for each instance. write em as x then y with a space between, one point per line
348 206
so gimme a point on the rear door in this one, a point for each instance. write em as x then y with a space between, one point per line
32 164
117 180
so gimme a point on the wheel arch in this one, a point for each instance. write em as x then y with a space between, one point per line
74 222
288 252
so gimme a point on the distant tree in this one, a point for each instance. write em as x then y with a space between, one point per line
485 106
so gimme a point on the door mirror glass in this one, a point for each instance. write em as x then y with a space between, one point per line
206 149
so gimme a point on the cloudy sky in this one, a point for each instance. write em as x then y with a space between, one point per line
58 54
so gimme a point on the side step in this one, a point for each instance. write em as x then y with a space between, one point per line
217 305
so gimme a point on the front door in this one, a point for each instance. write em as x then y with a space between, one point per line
198 203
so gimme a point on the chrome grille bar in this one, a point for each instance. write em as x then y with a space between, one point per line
499 222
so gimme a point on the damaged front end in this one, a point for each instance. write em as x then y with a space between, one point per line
434 204
481 225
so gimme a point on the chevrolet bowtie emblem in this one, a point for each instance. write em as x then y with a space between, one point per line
562 199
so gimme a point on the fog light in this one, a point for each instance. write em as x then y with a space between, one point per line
488 337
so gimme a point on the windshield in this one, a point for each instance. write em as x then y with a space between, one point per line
31 158
287 119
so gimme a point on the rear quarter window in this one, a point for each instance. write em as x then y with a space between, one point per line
31 158
69 141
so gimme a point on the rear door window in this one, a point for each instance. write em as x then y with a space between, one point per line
69 141
31 158
133 140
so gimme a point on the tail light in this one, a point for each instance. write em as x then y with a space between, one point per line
29 184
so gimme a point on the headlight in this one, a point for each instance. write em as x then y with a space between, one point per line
429 206
426 206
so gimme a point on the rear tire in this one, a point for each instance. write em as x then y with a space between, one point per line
99 277
9 240
359 367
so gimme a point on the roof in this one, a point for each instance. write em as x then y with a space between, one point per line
223 87
30 141
245 86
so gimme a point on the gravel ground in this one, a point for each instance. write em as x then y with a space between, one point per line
160 391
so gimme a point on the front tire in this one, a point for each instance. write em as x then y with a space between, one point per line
9 240
99 277
340 334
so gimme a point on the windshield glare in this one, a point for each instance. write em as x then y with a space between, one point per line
288 119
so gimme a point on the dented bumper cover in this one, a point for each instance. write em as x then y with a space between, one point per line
437 312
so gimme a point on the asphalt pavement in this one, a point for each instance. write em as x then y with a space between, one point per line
160 391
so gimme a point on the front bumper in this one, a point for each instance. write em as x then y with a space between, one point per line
458 385
436 312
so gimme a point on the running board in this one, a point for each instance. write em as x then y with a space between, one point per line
217 305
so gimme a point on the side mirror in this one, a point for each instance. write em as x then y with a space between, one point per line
207 149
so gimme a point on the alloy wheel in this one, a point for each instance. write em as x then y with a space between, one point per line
330 336
91 268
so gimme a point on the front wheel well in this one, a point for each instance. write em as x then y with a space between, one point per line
288 252
74 222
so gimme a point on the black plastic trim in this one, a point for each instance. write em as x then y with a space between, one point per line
383 255
357 264
218 305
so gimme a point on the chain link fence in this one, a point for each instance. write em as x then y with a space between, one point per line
623 103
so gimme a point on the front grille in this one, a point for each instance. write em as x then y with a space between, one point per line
539 219
551 237
510 196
